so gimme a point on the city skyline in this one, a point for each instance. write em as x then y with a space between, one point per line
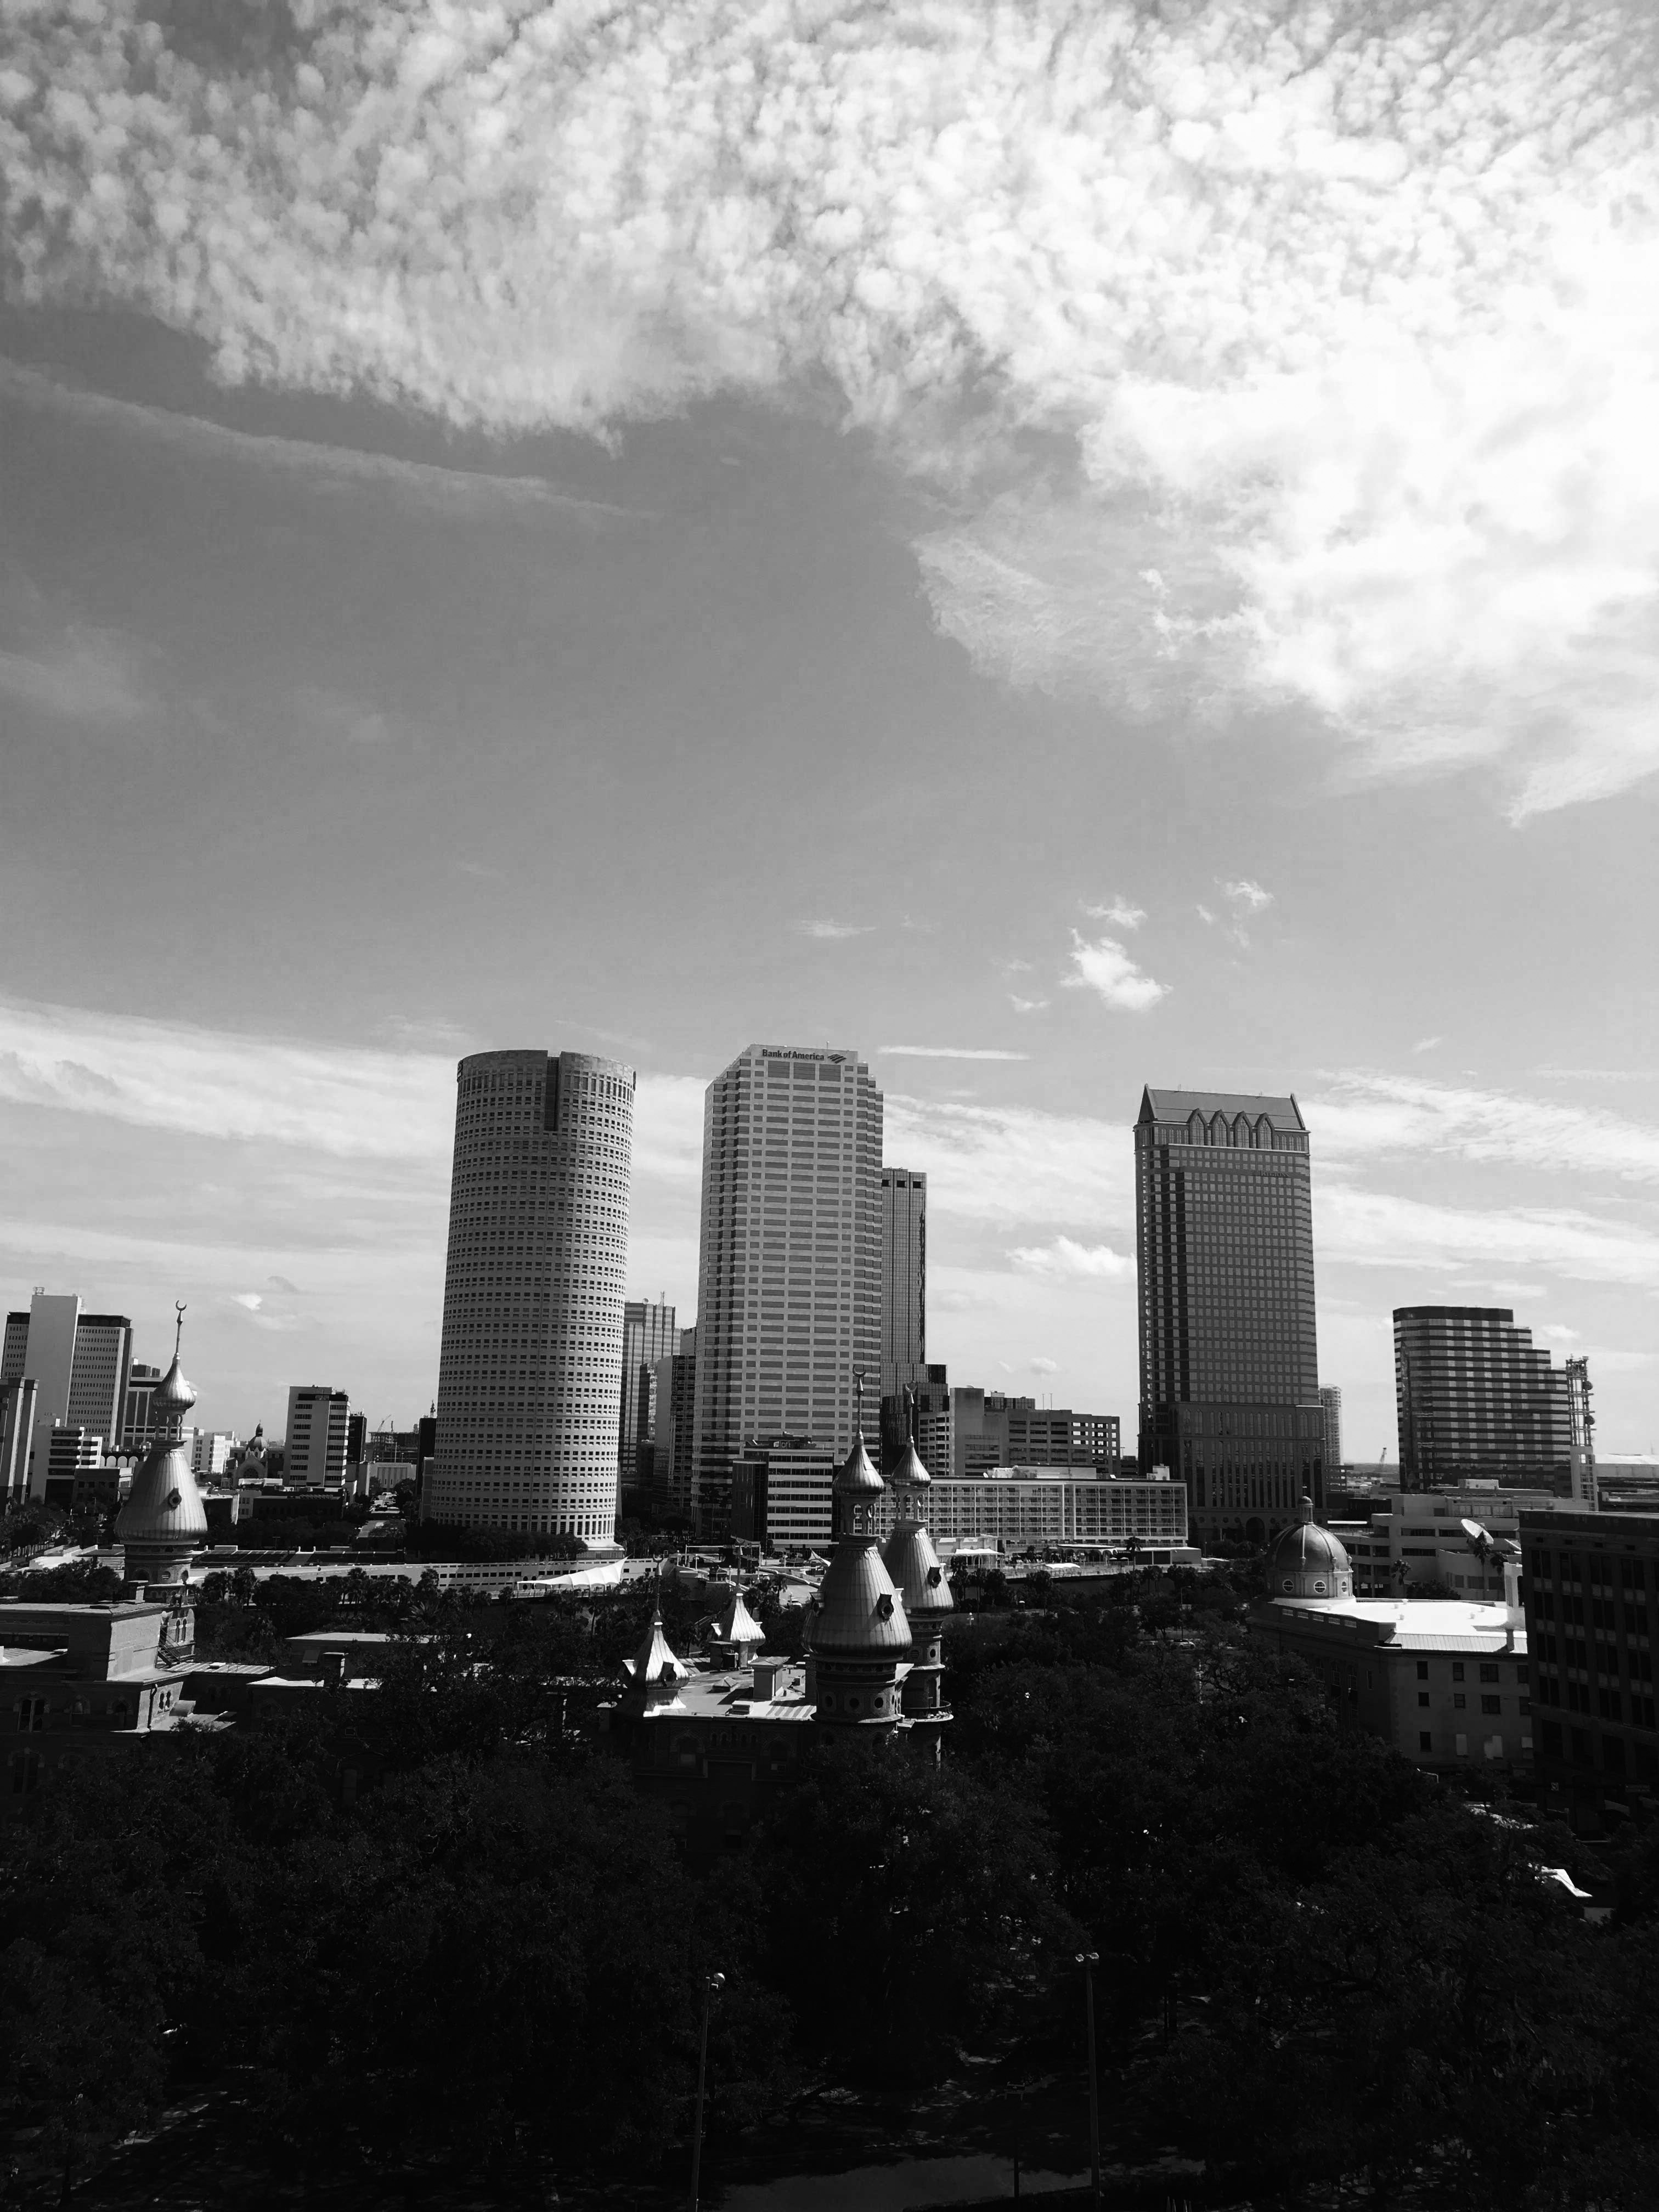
1068 578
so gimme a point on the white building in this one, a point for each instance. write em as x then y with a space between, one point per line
1443 1680
789 1303
210 1451
1054 1509
1420 1538
530 1373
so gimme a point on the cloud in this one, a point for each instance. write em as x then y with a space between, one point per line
1065 1258
947 1052
1363 1116
1427 1044
1026 1005
1041 1365
251 1299
1269 365
832 932
1105 968
1247 897
1205 915
455 491
1381 1228
281 1283
1120 913
1013 1166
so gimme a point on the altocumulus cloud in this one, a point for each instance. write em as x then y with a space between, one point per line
1341 341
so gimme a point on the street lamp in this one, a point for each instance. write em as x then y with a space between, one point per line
1089 1961
713 1985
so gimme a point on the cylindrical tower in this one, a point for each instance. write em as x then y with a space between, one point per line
164 1523
530 1373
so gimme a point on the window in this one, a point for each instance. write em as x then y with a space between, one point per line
1425 1741
1422 1697
1488 1670
1422 1670
1457 1670
1490 1705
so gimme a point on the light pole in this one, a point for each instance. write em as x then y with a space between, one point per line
713 1985
1089 1961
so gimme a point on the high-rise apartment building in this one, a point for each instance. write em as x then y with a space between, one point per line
1331 1399
673 1406
1476 1397
529 1372
648 1335
1228 1362
314 1449
789 1272
904 1278
78 1363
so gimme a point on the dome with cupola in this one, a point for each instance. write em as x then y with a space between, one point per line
1309 1562
164 1522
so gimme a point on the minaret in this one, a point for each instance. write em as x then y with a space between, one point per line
652 1676
163 1523
860 1638
910 1559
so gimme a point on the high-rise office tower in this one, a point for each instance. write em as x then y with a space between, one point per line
789 1274
1476 1398
318 1424
904 1278
673 1400
530 1372
1229 1363
648 1335
1331 1399
16 1434
78 1363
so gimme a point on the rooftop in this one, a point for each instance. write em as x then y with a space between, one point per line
1414 1624
1176 1105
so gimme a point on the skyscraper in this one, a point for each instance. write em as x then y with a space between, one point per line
530 1372
315 1448
1475 1398
648 1335
1331 1399
673 1395
789 1274
1229 1368
904 1278
78 1363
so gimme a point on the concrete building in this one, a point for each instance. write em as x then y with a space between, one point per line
1056 1512
530 1372
210 1451
648 1335
924 1402
1443 1680
1592 1585
138 1422
1418 1538
783 1495
989 1429
673 1394
17 1400
1476 1397
1229 1358
789 1271
318 1421
904 1278
1331 1399
78 1364
1625 1482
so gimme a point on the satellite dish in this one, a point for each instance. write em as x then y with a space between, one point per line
1476 1537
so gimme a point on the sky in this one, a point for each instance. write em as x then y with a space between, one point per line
1061 547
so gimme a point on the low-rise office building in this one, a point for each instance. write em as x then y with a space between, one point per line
1592 1588
1054 1509
1419 1537
1443 1680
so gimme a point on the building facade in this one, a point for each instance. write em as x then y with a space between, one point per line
673 1404
989 1429
1052 1510
904 1278
530 1369
1229 1356
1476 1397
648 1335
1418 1540
782 1495
319 1424
1592 1594
78 1364
1331 1399
1444 1682
17 1400
789 1301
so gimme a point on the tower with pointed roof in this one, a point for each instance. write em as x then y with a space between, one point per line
925 1593
652 1676
860 1636
164 1523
